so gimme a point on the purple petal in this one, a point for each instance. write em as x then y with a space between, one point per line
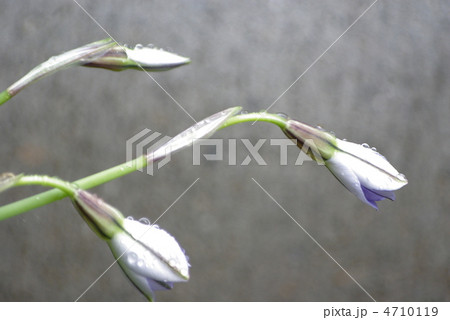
372 196
387 194
159 285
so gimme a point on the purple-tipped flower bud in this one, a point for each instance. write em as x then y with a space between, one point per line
360 169
150 257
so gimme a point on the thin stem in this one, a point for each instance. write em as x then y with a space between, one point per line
56 63
256 116
39 200
47 181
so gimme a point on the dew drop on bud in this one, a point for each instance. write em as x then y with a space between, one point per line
144 221
374 149
365 145
130 218
282 115
138 46
132 258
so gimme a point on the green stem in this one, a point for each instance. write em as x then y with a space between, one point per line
47 181
39 200
254 117
4 96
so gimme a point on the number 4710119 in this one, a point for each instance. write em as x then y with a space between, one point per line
411 311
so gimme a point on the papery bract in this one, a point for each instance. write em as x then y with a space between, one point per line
201 130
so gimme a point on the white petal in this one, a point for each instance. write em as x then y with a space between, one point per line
371 168
155 58
139 281
150 252
338 165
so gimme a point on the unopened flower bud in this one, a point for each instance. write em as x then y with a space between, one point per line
360 169
150 257
119 58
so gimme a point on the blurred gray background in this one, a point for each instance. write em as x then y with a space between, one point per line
385 82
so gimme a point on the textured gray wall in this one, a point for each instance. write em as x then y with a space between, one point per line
385 82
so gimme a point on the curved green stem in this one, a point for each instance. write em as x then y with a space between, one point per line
47 181
255 117
39 200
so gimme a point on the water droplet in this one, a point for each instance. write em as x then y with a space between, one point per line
319 127
401 176
140 263
132 258
151 46
282 115
138 46
144 221
126 46
344 139
374 149
244 112
172 263
130 218
365 145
